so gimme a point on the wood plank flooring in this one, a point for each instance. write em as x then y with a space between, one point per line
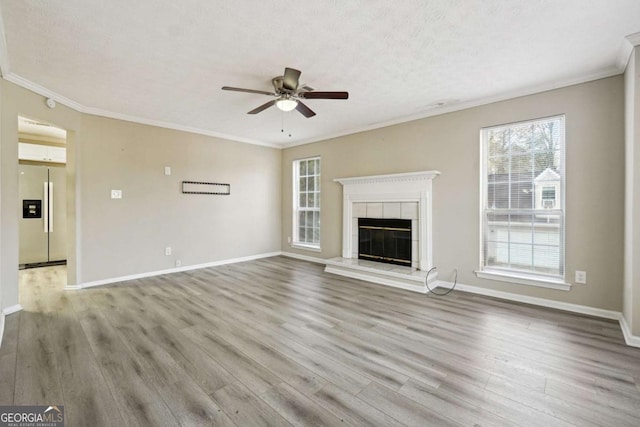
277 342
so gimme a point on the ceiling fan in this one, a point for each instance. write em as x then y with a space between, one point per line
289 95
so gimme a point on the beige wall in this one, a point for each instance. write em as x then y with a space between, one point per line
115 238
450 143
631 308
128 236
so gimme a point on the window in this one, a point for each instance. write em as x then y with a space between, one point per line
548 193
548 197
523 202
306 203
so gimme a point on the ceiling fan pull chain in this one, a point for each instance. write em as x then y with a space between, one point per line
282 123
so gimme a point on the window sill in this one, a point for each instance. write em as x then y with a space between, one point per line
306 247
524 280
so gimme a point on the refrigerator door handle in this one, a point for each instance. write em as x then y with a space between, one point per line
45 211
50 207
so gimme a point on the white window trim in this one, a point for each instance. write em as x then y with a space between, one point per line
523 279
295 194
306 247
511 276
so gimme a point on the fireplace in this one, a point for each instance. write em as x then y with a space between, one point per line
405 196
385 240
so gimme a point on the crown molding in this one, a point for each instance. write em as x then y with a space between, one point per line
436 111
629 42
41 90
623 57
174 126
634 39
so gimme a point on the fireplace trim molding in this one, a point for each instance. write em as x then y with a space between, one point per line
401 187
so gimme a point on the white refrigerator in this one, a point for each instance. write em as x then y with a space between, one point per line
43 223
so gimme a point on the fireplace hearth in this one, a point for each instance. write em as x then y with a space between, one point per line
385 240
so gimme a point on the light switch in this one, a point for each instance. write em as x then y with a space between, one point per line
167 170
116 194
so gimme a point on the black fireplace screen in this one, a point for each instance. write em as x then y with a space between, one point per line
385 240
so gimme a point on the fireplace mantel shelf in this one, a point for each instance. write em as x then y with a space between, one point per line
409 176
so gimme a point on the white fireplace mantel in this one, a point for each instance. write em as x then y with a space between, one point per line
402 187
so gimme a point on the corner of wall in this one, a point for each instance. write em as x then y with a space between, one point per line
630 322
630 339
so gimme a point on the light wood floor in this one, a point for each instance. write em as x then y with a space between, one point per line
279 342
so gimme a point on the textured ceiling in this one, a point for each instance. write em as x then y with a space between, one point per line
164 62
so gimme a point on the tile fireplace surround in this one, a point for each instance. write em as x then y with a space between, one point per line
403 196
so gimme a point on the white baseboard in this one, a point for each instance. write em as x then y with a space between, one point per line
304 257
170 270
631 340
4 313
12 309
574 308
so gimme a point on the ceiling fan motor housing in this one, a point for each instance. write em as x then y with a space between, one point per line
277 84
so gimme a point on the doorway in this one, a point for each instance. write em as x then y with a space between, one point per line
42 193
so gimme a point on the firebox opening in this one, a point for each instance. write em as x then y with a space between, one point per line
385 240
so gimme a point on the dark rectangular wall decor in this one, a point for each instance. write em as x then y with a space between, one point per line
197 187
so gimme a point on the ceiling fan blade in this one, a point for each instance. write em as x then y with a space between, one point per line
262 107
304 110
290 78
325 95
239 89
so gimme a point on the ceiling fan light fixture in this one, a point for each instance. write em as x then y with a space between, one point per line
286 104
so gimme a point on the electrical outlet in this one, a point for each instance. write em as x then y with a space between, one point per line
116 194
178 263
581 277
167 251
289 239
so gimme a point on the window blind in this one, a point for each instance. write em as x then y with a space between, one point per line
523 200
